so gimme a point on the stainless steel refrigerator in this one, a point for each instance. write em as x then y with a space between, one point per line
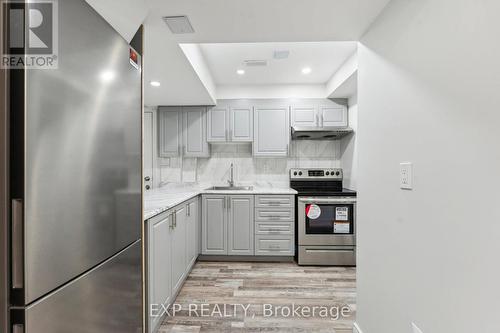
75 184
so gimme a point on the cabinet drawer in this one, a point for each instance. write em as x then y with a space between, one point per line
274 228
271 245
275 201
274 214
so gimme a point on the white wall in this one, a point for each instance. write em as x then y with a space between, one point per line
194 55
349 148
348 68
429 82
271 91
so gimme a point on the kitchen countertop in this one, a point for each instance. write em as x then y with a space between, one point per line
164 198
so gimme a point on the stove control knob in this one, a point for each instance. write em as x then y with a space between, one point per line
337 173
328 173
300 173
295 173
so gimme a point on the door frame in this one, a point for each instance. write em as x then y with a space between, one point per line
154 112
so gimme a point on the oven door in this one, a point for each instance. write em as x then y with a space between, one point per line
327 221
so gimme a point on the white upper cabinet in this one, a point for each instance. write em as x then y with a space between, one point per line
241 124
195 135
230 124
217 124
335 115
271 131
183 131
304 116
170 130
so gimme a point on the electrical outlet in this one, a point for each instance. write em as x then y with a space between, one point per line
415 328
406 175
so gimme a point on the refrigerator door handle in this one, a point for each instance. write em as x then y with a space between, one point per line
17 244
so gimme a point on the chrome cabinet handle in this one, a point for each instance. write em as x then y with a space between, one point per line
171 221
228 203
224 203
175 219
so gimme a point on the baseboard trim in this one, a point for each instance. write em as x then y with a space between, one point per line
356 328
208 257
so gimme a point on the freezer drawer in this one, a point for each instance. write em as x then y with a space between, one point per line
106 299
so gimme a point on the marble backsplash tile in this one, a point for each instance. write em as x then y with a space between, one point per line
303 154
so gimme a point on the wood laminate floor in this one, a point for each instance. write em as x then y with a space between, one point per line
259 297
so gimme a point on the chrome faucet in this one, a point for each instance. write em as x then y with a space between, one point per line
231 179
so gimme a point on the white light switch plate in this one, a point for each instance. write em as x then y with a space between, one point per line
415 328
406 175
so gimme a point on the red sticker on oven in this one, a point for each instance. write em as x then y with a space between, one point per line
313 211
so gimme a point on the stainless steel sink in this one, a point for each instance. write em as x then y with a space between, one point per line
230 188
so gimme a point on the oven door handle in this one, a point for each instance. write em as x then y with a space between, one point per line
328 200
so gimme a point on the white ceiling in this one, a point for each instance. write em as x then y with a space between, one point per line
235 21
324 59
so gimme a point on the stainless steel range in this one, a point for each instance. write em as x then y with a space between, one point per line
326 217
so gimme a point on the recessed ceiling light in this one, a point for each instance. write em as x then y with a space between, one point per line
306 70
240 72
155 83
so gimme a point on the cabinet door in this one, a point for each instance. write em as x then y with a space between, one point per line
335 116
271 131
178 248
241 124
195 132
304 116
240 225
191 232
159 264
214 225
217 124
170 130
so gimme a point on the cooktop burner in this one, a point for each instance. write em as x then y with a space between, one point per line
319 182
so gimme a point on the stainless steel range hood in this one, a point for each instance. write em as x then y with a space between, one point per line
319 133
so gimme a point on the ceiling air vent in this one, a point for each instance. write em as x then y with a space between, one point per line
255 63
283 54
179 24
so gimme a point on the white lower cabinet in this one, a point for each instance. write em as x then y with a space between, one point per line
178 241
240 230
214 225
261 225
192 228
172 248
228 225
159 267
